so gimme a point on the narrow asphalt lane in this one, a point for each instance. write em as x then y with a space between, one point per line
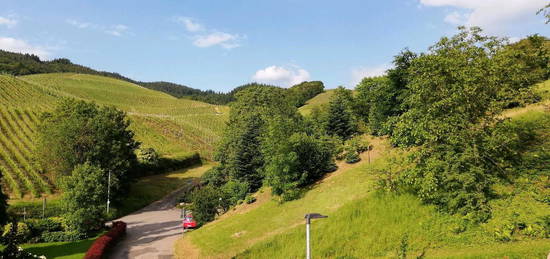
152 231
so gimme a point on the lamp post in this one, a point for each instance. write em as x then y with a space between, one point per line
308 218
108 192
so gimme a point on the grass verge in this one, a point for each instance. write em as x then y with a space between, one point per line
61 250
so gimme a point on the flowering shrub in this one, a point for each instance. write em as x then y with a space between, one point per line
101 245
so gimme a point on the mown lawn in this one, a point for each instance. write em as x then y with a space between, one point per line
61 250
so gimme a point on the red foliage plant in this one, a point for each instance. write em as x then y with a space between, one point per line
99 248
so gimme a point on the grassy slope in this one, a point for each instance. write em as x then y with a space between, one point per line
166 123
172 126
317 101
237 230
364 223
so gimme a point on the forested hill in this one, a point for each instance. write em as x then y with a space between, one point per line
28 64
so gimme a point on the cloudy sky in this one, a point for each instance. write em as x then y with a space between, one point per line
222 44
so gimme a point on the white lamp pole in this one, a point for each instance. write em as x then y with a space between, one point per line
108 192
308 218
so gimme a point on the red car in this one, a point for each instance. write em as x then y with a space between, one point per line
189 222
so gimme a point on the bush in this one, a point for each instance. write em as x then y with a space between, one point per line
352 157
249 199
101 245
61 236
214 176
38 226
234 191
358 143
206 202
148 157
23 232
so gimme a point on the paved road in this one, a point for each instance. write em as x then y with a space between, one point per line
152 231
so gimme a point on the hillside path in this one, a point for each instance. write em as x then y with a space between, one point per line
152 231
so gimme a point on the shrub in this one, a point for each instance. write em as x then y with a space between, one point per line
234 191
23 231
214 176
101 245
61 236
38 226
352 157
249 199
206 202
505 232
148 157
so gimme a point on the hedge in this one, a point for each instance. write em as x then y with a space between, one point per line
100 247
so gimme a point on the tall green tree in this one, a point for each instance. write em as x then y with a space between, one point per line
294 157
455 94
379 99
374 103
240 153
76 132
451 88
84 197
340 120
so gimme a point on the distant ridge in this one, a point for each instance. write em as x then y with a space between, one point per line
27 64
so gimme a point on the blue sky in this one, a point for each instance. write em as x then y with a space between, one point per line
223 44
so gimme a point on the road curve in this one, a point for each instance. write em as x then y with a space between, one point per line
152 230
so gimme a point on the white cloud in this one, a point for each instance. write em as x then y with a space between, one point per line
225 40
114 30
21 46
282 76
204 37
7 22
456 18
493 16
80 25
357 74
117 30
190 24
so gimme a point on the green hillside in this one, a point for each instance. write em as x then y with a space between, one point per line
317 101
174 127
366 223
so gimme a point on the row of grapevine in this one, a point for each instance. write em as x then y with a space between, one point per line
21 173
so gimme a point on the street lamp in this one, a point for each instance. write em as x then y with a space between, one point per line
308 218
108 192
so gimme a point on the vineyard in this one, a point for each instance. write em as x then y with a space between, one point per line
174 127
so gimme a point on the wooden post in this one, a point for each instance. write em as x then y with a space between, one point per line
44 207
